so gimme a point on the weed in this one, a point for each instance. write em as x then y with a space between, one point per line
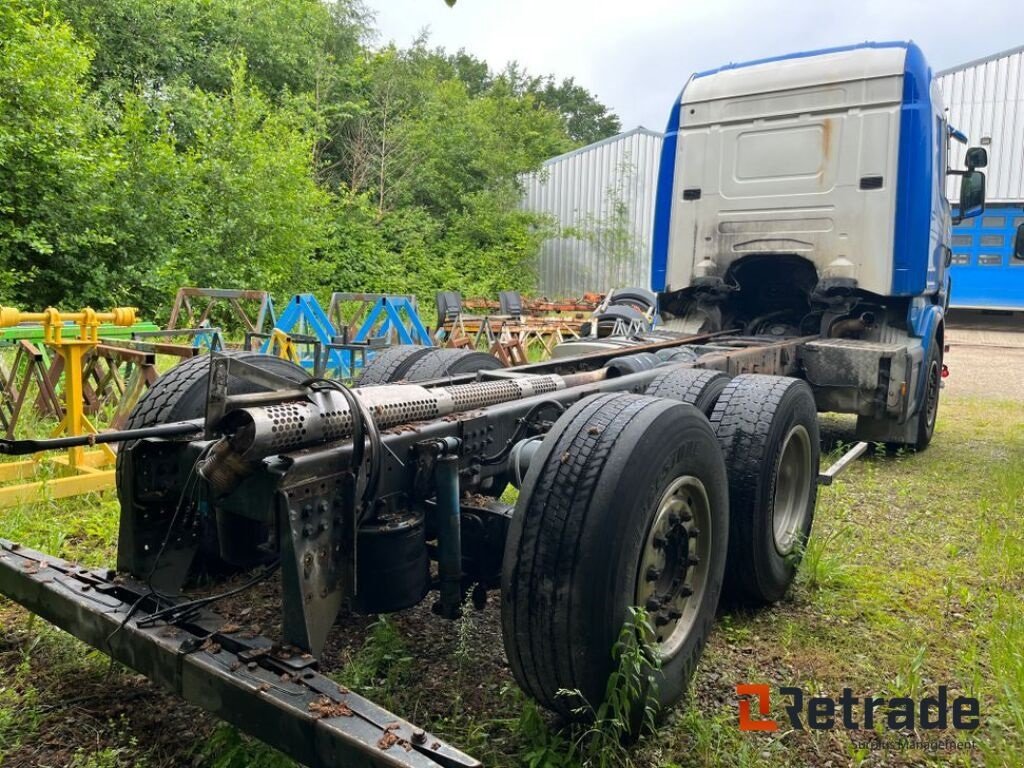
19 713
227 748
712 735
629 707
544 747
380 665
910 682
466 629
822 565
630 704
124 755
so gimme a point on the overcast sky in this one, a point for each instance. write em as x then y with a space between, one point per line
636 54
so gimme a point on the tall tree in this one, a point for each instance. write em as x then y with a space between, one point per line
150 44
585 118
53 160
260 144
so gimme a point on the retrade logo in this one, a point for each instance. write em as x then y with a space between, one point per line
821 713
761 692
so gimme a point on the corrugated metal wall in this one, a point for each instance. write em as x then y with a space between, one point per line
986 101
579 189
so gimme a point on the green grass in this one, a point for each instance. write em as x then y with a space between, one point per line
912 578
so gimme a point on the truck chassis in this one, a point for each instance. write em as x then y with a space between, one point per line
370 499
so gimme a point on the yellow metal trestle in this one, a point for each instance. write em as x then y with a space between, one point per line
80 470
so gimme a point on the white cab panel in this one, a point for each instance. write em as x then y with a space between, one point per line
792 156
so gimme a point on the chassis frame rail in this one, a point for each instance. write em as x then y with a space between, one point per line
270 692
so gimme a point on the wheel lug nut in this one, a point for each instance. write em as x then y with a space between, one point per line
658 542
692 560
653 604
673 519
685 591
653 574
693 533
661 620
675 615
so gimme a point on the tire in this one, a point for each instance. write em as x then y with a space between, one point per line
677 355
438 363
179 395
758 419
390 365
623 366
930 407
582 527
700 388
636 297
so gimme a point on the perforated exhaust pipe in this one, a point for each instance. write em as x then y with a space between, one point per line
324 416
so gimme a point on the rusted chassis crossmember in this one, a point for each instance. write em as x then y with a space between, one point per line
311 501
274 695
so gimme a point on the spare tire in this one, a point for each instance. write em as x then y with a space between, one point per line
180 395
677 354
438 363
449 305
390 365
636 297
636 363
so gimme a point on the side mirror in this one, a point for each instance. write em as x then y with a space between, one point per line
972 195
976 157
1018 244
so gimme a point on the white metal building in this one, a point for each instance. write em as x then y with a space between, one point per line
602 198
985 98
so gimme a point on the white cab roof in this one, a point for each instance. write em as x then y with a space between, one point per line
796 72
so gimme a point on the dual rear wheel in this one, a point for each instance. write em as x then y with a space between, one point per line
640 500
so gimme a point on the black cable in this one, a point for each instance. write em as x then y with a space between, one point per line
152 591
364 429
183 611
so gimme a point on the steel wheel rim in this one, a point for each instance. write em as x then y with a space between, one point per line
792 489
675 563
932 395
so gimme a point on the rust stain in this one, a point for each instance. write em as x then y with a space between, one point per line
826 146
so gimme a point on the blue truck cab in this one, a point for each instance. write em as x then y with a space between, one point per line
804 196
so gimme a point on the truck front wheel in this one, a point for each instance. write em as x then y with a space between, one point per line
625 503
929 410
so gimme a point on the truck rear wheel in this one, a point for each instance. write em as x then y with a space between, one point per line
767 427
625 503
698 387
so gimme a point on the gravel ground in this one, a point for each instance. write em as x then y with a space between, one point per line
986 359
